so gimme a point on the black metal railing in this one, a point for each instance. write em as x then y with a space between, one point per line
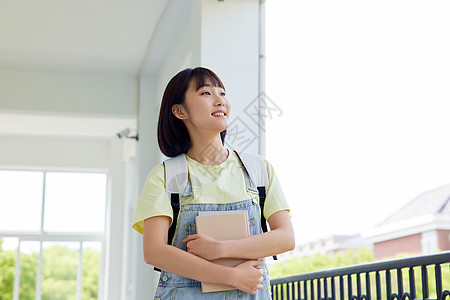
419 277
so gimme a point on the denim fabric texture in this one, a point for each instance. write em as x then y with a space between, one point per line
172 286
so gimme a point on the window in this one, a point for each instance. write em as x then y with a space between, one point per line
429 241
52 231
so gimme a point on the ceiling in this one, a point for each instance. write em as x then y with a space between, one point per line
88 35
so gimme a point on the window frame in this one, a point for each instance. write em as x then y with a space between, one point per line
42 236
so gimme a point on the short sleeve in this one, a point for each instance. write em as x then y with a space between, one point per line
153 199
275 199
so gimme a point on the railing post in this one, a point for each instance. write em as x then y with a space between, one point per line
368 289
305 291
378 285
425 291
438 277
299 290
400 282
319 288
292 292
388 284
349 286
358 285
333 288
412 282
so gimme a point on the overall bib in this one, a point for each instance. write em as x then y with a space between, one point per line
172 286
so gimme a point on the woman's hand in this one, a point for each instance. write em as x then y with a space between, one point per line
203 246
248 278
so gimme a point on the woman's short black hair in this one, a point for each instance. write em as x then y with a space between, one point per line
173 136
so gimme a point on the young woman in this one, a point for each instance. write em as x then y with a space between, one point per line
193 120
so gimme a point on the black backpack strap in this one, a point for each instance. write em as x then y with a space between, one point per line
175 203
176 177
262 200
258 181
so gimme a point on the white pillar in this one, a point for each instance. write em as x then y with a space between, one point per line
224 36
145 278
230 46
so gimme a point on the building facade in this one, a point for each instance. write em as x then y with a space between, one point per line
421 226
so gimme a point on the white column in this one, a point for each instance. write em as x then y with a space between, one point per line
223 36
230 46
115 226
145 278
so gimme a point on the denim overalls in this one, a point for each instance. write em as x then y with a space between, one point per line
175 287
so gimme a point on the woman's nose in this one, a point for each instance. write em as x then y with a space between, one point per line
220 101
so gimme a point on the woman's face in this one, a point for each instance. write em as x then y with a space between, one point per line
206 108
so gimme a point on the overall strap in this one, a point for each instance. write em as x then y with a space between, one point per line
256 168
176 178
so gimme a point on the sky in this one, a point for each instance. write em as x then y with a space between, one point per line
364 89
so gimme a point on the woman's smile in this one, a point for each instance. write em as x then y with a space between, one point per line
219 113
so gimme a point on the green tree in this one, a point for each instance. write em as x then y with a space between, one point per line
28 267
28 272
7 270
59 273
317 262
91 269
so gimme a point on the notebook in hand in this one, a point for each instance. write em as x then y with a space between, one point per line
229 225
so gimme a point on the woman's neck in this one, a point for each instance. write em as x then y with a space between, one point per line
208 152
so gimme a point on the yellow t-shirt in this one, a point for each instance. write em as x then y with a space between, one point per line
224 183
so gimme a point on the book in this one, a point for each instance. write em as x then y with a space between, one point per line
228 225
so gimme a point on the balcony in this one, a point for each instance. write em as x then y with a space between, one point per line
420 277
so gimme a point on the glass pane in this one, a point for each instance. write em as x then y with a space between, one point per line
75 202
8 254
29 257
91 270
20 200
59 270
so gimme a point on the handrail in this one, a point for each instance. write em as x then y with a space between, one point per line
329 284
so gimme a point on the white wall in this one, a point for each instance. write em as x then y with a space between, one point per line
54 152
143 279
52 91
222 36
57 120
230 47
176 47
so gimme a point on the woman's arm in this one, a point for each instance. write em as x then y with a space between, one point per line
159 254
278 240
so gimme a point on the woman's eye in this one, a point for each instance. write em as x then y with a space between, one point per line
222 94
205 93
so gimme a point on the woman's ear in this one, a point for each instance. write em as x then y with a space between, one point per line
179 111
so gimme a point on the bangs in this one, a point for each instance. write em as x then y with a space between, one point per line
202 76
